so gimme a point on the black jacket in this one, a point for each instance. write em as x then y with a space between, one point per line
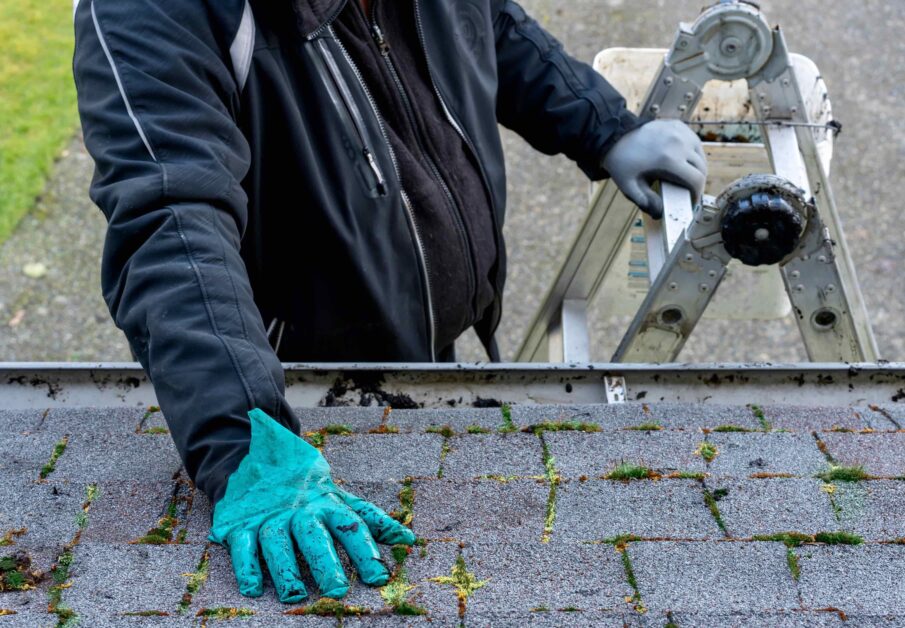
245 178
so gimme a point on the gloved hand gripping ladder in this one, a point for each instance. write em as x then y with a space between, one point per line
788 219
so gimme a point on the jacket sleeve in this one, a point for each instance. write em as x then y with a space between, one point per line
557 103
157 99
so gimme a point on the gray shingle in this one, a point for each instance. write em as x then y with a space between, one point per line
880 454
875 510
19 421
94 421
688 577
358 419
114 578
580 454
524 576
697 416
552 619
809 419
741 455
760 620
24 455
474 456
459 419
125 511
596 510
47 511
481 510
758 507
863 579
379 457
607 416
97 457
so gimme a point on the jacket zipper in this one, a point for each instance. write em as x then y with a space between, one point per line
354 115
419 245
431 164
468 142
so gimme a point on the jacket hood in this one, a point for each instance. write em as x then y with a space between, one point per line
313 14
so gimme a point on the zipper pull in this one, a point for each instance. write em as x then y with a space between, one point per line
381 182
380 40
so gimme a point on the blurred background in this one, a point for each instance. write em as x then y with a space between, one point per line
51 235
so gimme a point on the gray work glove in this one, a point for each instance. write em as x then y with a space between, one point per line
662 150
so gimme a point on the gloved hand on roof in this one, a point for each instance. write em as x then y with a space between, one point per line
281 496
661 150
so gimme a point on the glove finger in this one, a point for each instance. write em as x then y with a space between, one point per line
279 553
243 552
688 177
698 163
316 546
349 529
639 192
383 527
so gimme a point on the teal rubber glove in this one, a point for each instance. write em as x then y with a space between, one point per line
281 495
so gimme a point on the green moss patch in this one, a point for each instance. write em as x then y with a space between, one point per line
396 592
845 474
725 429
761 417
645 427
707 451
51 464
444 430
508 425
224 613
327 607
8 538
406 504
561 426
16 573
463 581
477 429
627 471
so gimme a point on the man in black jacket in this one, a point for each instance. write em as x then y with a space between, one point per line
321 180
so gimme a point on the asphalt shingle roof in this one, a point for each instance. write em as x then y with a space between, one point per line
523 504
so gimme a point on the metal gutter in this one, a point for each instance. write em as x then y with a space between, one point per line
47 384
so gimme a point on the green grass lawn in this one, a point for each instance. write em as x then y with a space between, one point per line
37 99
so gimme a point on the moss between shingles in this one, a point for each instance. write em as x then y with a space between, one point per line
444 430
7 539
797 539
164 533
195 580
552 477
464 582
644 427
224 613
383 428
7 611
635 598
711 499
327 607
406 503
761 417
731 428
707 451
51 464
66 617
627 471
845 474
561 426
395 594
477 429
508 425
16 573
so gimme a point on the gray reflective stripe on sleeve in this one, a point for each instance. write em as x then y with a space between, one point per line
75 7
119 83
243 46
